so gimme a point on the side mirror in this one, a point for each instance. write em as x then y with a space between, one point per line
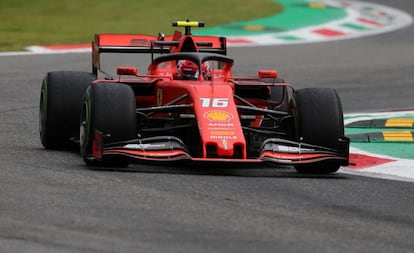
267 73
129 71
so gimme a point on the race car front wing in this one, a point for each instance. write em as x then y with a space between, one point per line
170 148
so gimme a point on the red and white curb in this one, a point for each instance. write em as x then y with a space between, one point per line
380 166
376 165
362 19
60 49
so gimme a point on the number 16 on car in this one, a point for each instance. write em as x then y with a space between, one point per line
214 102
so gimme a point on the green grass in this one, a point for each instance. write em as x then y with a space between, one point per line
44 22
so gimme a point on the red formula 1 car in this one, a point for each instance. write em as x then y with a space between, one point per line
189 107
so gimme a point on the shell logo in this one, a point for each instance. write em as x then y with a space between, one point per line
218 116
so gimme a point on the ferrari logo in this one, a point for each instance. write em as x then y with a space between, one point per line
159 97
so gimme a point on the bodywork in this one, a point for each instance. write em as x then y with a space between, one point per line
216 119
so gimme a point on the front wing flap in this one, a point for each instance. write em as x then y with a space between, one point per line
290 152
273 150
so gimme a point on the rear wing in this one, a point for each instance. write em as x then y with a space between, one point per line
148 44
121 43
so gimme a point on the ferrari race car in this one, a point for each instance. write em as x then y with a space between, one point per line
189 108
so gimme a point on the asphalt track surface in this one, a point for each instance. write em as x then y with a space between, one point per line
50 202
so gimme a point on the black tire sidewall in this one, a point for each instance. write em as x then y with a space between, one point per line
318 121
318 116
60 103
112 111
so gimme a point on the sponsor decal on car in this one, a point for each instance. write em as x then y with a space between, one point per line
218 116
223 135
283 148
220 126
219 137
222 132
139 42
145 146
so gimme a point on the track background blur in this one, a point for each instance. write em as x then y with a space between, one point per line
50 202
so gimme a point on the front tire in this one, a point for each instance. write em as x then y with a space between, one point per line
319 121
108 108
60 104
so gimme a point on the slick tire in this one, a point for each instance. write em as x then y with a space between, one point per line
319 121
108 108
60 103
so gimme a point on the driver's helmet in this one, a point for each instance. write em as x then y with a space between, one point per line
188 70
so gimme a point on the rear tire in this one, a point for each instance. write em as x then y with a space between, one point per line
109 108
60 103
319 121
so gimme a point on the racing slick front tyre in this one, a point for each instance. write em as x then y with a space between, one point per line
110 109
319 121
60 104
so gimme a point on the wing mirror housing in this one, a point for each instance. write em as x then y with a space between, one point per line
128 71
267 73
